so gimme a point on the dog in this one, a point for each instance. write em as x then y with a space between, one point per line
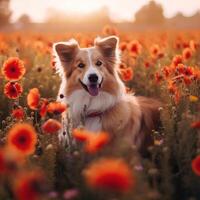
92 88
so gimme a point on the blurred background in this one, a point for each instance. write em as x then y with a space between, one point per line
92 15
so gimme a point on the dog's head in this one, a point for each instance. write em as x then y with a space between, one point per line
92 69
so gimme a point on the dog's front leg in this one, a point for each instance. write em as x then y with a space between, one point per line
64 136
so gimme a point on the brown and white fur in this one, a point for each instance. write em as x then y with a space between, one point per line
102 100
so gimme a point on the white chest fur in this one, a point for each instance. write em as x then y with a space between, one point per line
93 124
82 104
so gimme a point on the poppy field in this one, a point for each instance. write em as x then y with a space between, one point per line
33 165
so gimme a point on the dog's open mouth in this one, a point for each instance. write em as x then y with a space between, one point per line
92 89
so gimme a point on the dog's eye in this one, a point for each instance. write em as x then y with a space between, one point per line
99 63
81 65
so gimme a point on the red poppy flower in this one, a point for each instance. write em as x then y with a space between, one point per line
53 62
56 107
178 44
166 71
186 44
22 138
181 68
196 74
51 126
127 74
109 30
158 77
96 141
109 174
196 165
172 87
196 124
123 46
33 99
135 48
187 80
43 108
193 45
187 53
178 59
18 113
154 51
81 135
147 64
29 185
13 69
13 90
93 141
160 55
189 71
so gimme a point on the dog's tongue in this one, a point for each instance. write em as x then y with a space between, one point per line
93 90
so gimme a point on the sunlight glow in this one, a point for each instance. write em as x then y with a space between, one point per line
118 9
75 6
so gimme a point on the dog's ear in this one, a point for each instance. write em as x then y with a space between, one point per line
108 46
66 50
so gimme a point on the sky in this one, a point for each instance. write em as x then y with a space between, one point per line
119 9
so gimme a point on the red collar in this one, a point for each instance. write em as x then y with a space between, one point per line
94 114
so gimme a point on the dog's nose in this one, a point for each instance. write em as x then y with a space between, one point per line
93 78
